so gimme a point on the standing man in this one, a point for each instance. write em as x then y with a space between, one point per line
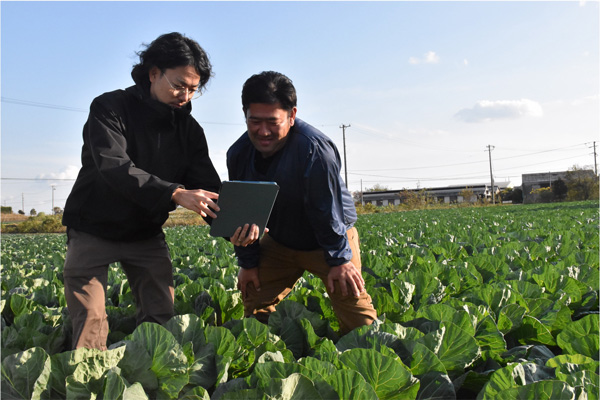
311 227
143 154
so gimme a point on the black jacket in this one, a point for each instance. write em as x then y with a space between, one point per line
136 152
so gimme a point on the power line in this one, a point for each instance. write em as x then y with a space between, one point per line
541 152
425 167
221 123
540 163
37 179
41 105
410 143
354 172
456 177
470 162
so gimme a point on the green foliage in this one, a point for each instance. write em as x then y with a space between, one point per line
474 303
559 189
377 188
6 210
544 194
40 223
582 184
514 195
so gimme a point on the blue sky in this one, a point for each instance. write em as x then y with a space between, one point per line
425 86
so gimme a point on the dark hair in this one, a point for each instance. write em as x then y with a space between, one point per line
171 50
269 87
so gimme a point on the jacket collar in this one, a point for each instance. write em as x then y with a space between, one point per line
159 110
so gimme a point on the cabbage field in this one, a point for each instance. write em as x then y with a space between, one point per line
474 303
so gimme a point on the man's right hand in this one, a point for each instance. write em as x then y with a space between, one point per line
246 276
198 200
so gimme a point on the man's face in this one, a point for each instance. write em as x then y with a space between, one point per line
175 87
268 126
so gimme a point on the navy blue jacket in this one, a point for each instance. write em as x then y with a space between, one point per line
313 208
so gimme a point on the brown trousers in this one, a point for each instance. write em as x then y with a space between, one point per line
147 265
280 268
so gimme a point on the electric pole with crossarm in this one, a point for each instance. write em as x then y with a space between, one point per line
345 166
489 149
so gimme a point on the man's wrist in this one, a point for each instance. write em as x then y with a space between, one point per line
337 262
178 190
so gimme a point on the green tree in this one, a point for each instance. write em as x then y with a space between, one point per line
412 199
559 189
468 195
512 194
582 184
377 188
517 196
544 195
33 213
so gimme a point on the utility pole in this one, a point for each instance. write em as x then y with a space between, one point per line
362 199
53 189
23 202
595 163
489 149
345 166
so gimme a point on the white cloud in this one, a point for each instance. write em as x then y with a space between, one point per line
486 110
466 62
585 100
69 172
428 58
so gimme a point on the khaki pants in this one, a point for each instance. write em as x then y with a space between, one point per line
147 265
280 268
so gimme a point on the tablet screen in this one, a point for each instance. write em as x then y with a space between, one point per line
243 202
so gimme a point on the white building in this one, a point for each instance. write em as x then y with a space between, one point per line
448 194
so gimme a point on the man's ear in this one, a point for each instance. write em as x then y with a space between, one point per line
292 116
154 74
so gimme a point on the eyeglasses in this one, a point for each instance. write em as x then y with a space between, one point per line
178 90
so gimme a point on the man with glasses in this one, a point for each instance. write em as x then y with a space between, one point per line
311 227
143 154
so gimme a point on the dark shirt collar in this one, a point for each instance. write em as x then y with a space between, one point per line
160 110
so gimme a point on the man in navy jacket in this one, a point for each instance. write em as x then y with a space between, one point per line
311 227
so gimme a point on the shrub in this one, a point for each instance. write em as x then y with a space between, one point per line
544 195
41 223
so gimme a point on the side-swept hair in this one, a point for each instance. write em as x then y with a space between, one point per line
269 87
171 50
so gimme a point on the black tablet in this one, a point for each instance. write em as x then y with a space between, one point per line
243 202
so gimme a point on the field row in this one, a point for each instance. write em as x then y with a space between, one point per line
474 303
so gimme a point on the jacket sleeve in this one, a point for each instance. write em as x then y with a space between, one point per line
201 173
323 201
249 256
104 133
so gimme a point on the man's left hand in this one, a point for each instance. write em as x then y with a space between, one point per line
348 276
245 235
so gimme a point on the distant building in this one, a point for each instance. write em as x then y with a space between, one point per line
448 194
543 180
